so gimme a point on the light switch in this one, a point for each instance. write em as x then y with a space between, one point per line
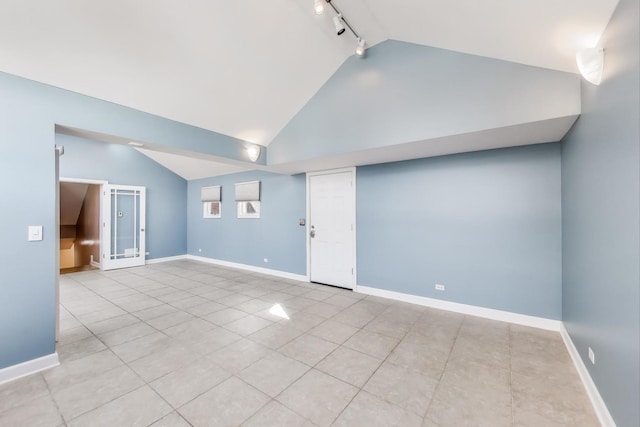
35 233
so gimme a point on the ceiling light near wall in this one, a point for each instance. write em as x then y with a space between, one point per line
591 64
318 6
253 152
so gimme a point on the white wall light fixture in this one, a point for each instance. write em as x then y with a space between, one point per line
340 22
253 152
591 64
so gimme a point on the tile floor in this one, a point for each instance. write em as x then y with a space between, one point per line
185 343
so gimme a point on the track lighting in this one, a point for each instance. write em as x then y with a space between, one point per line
340 23
337 22
318 6
360 48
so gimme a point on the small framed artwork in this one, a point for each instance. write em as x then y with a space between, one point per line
249 209
212 209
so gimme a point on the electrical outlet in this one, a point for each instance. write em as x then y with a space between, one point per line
439 287
592 356
266 260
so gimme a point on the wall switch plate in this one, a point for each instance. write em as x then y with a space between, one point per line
439 287
35 233
592 356
266 260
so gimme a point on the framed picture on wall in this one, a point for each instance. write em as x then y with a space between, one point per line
249 209
212 209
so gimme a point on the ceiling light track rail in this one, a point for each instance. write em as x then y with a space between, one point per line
338 20
341 16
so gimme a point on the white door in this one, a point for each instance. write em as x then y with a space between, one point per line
124 226
332 228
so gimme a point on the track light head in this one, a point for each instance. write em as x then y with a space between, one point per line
337 22
360 48
318 6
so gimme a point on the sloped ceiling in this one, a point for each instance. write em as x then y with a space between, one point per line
191 168
245 68
408 101
72 196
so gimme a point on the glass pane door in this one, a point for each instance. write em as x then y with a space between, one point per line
125 226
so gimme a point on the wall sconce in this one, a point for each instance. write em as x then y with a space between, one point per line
591 64
253 152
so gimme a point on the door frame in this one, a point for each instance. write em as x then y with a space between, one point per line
105 209
352 170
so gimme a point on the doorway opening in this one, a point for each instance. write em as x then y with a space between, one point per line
80 220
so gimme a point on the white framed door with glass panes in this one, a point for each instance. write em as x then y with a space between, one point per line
124 225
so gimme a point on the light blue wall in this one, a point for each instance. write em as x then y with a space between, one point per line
166 213
28 114
276 236
27 291
486 225
601 222
404 92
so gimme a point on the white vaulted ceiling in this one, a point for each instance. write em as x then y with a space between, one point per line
245 68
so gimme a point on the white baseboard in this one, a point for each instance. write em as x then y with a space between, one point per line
166 259
252 268
592 391
95 264
11 373
504 316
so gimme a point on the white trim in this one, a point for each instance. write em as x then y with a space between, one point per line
95 264
56 255
84 181
12 373
247 267
166 259
354 261
488 313
604 416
